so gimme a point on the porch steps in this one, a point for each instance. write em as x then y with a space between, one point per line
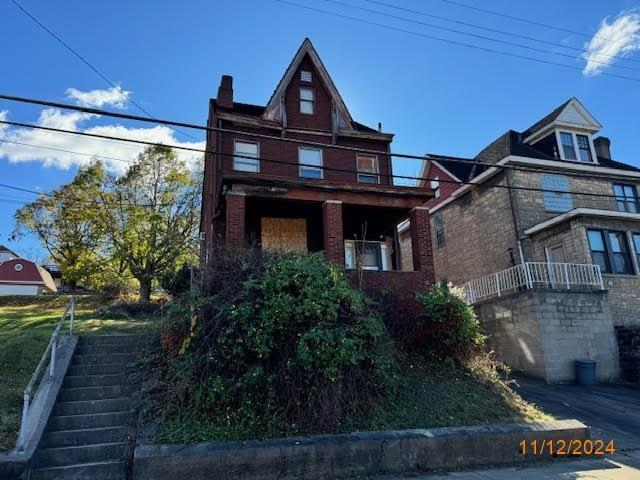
90 430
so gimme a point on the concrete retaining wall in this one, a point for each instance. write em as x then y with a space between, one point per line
542 332
338 456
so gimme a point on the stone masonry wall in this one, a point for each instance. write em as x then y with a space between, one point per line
478 233
542 332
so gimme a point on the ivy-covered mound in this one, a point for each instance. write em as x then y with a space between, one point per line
284 346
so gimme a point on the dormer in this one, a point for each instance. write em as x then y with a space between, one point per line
566 133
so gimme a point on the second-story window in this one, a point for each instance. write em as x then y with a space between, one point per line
246 156
367 169
567 146
584 148
435 186
310 160
610 250
307 100
555 198
626 197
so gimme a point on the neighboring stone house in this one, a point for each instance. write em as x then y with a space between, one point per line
278 182
570 208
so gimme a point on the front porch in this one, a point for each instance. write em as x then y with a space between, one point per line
355 229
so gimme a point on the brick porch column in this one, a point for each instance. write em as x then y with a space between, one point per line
235 230
421 242
333 233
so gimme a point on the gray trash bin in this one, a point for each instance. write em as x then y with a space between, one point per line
585 372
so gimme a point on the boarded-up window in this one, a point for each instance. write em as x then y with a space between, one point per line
555 200
284 234
367 169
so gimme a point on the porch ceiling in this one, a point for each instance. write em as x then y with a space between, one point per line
321 190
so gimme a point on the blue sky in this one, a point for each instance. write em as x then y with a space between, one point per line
436 97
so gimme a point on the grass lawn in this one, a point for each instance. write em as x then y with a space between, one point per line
429 395
26 324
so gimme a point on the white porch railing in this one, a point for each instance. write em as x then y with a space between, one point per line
50 352
533 274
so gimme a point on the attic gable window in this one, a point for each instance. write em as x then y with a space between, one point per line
435 186
307 100
584 148
567 146
305 76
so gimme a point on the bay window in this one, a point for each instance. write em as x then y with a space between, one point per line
610 250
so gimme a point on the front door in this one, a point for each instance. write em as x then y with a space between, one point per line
555 255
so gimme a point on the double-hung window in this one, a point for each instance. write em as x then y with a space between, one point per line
307 100
584 149
246 156
626 198
310 160
610 250
367 169
567 146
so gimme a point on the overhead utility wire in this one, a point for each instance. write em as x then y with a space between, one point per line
88 64
480 27
65 151
324 168
527 20
96 111
452 42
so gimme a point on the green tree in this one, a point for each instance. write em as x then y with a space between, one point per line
63 222
149 216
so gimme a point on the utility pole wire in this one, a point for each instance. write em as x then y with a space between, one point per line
88 64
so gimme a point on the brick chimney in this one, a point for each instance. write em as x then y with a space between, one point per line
603 147
225 92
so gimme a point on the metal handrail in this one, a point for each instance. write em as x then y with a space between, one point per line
50 351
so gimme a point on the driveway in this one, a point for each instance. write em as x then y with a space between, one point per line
612 411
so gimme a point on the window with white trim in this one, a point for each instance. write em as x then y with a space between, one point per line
246 156
307 100
310 160
567 146
435 186
305 76
367 169
584 148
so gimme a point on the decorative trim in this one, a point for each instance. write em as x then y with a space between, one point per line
581 212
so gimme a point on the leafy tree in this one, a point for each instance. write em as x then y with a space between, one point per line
63 222
150 215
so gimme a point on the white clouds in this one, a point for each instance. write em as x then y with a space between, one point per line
618 37
114 96
57 149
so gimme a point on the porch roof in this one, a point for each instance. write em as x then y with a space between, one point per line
322 190
581 212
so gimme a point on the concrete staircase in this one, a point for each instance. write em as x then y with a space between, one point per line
89 434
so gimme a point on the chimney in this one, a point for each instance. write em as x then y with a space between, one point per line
603 147
225 92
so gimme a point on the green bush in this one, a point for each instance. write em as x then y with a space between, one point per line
177 282
284 345
448 326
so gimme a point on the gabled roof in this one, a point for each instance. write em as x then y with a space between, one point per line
24 272
458 168
570 114
7 250
306 49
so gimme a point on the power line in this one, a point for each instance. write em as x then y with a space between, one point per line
245 133
325 168
88 64
526 20
452 42
65 151
493 30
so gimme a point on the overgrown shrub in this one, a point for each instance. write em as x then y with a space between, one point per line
448 326
124 309
284 345
177 282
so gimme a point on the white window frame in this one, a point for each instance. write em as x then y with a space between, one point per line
312 101
319 168
245 160
436 188
368 174
576 150
302 76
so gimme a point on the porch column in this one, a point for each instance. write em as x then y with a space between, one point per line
235 228
333 233
421 242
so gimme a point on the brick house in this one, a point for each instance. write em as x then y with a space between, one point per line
300 174
552 264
